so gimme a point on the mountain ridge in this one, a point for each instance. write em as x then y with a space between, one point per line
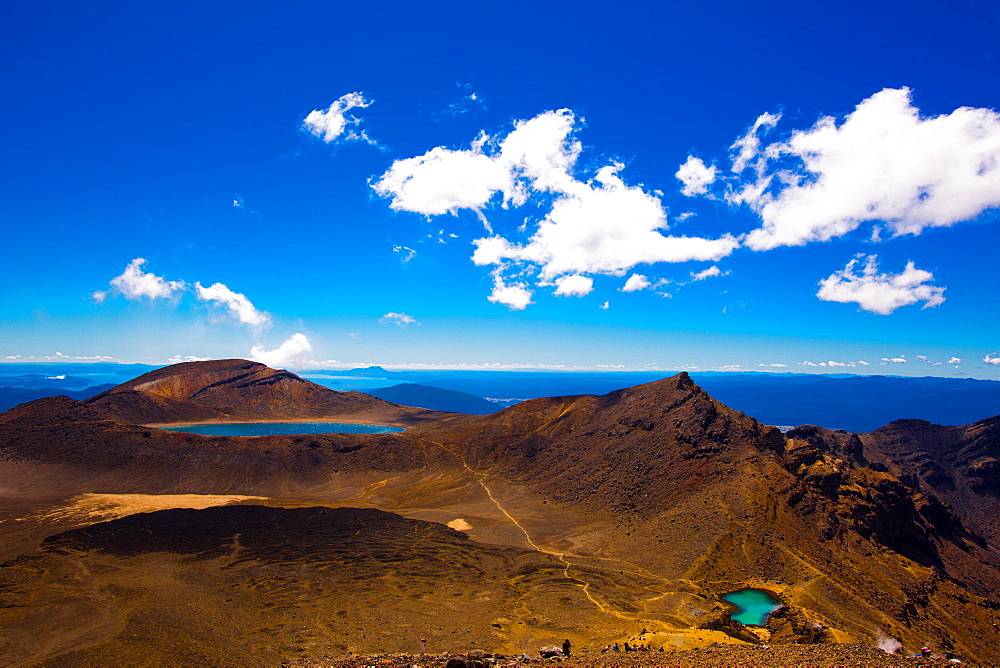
658 479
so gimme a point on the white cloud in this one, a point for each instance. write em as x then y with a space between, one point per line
514 296
991 358
444 181
135 284
882 163
398 319
468 102
880 293
574 286
405 252
330 124
605 306
635 283
237 303
695 176
176 359
291 353
893 360
600 226
749 144
954 360
707 273
606 227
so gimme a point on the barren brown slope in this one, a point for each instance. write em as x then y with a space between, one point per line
961 465
249 585
241 390
657 481
701 492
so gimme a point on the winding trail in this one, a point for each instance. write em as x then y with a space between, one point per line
584 586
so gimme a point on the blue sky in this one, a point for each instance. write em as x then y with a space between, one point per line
726 185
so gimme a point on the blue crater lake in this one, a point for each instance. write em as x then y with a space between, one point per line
282 428
753 606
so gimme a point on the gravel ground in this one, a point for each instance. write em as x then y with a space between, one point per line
818 656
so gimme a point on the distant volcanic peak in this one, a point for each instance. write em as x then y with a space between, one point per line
182 381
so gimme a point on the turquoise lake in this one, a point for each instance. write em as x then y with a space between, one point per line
753 606
283 428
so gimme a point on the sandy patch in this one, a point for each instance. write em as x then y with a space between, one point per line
102 507
459 525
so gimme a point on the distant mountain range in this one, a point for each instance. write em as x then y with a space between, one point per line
853 403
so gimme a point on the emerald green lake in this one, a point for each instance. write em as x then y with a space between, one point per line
753 606
283 428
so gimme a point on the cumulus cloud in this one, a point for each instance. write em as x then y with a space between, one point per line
954 360
398 319
884 162
635 283
574 286
992 359
695 176
333 123
880 293
596 226
236 303
291 353
135 284
515 296
605 306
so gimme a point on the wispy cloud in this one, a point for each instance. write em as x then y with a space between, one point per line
405 252
237 304
398 319
335 124
469 101
992 359
880 293
707 273
176 359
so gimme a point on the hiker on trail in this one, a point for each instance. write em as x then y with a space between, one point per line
627 648
566 647
615 648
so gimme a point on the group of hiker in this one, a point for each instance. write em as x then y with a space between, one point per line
628 648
